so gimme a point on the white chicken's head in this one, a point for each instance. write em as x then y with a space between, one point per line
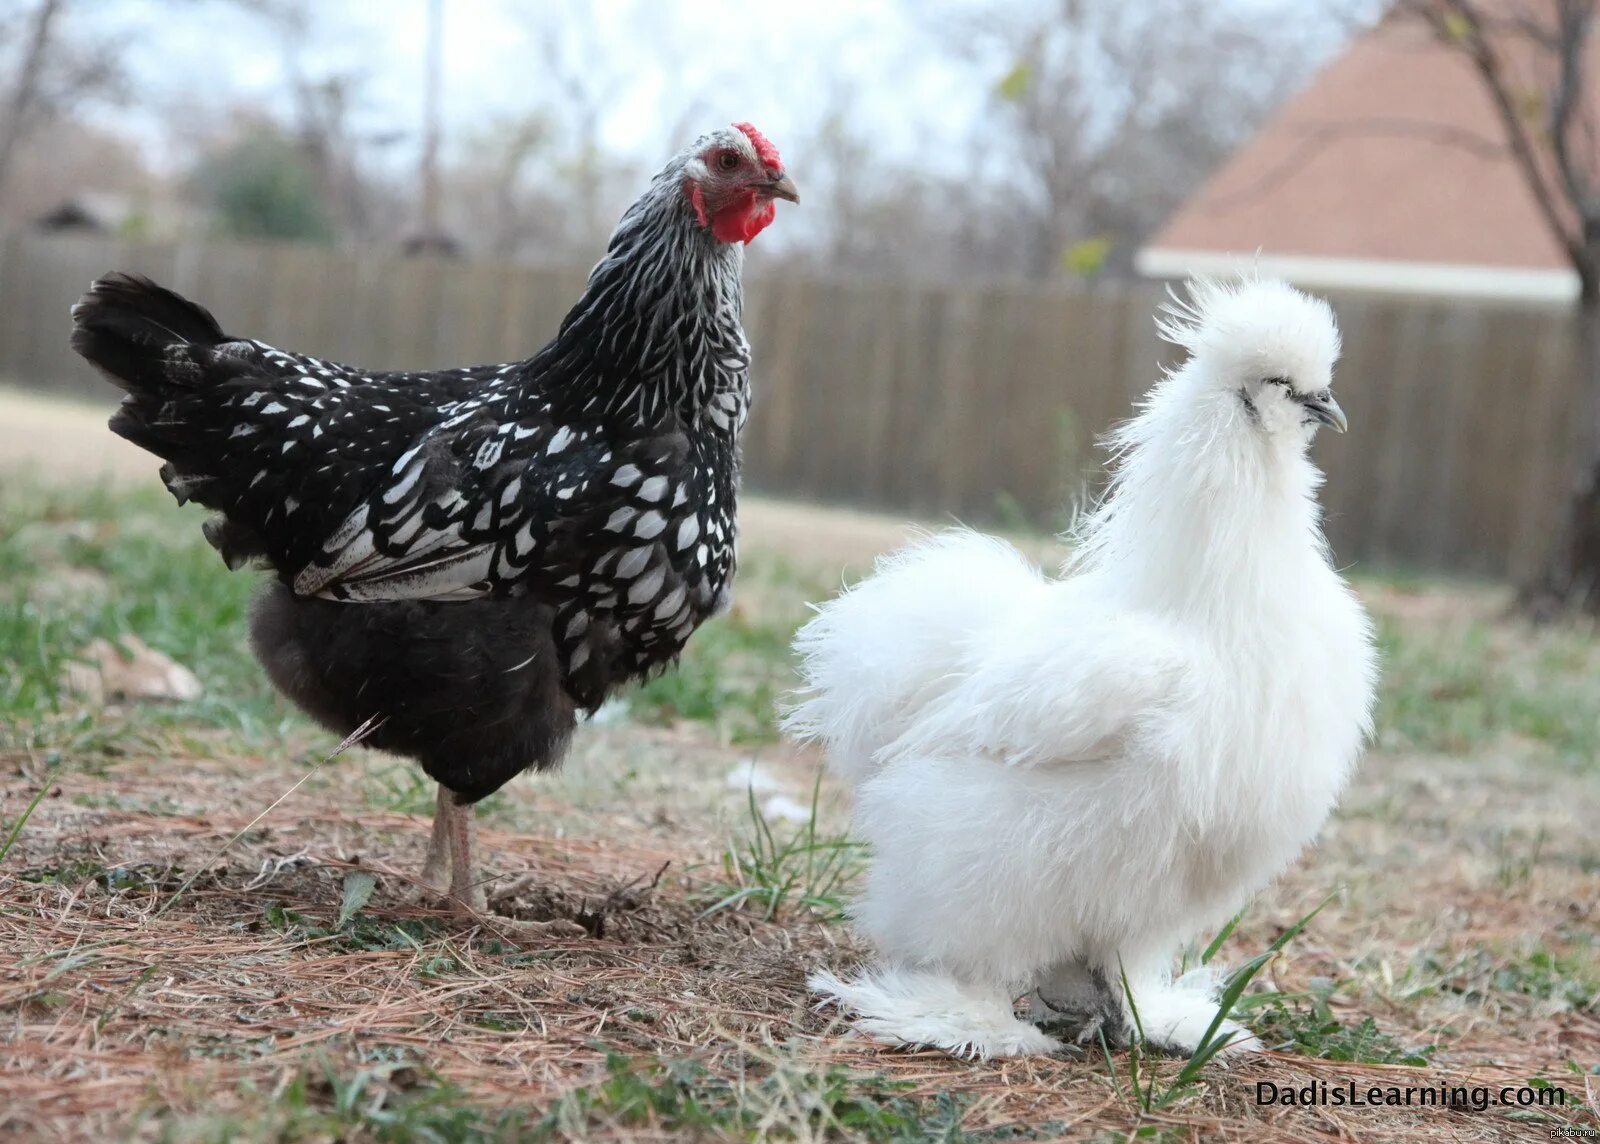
1262 349
731 178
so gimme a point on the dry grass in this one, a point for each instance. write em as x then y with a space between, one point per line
172 969
129 998
238 1008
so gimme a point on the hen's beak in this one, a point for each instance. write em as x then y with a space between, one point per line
782 187
1325 409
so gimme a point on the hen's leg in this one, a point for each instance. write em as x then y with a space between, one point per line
466 892
435 876
467 896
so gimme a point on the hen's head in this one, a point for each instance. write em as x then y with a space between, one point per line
1261 349
732 178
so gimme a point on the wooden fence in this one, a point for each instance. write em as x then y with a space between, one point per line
981 402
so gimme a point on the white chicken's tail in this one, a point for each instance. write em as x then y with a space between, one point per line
921 1007
877 653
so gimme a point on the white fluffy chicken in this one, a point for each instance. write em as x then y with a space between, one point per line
1064 780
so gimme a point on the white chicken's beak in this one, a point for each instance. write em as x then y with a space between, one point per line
1325 409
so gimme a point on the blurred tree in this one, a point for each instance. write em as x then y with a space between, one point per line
262 186
327 104
1104 115
1537 63
53 67
585 82
850 236
869 213
493 194
358 204
550 173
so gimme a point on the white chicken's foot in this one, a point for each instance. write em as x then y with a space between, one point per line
1176 1016
924 1007
1082 1005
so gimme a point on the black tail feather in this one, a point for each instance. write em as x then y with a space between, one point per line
133 331
236 544
139 420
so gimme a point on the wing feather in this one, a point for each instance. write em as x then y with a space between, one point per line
481 503
1067 686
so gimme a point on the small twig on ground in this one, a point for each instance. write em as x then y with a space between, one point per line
345 744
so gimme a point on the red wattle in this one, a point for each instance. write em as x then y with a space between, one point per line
758 220
742 219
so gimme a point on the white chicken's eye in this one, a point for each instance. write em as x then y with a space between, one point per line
727 160
1283 381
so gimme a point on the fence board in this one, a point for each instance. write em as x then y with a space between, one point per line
976 401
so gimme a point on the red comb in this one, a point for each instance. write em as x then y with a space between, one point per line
765 151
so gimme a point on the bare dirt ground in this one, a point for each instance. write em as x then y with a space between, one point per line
173 964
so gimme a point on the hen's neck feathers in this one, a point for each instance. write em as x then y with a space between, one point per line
657 330
1203 513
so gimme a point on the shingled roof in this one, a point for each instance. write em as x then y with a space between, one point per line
1389 171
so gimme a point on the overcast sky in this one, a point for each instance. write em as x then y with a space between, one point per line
678 63
684 64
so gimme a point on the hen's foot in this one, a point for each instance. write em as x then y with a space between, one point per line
1081 1026
1079 1004
514 887
449 874
524 929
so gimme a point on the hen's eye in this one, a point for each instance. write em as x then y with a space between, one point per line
1283 381
727 160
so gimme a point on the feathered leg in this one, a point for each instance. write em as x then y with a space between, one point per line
1176 1014
929 1007
1084 1000
1080 1003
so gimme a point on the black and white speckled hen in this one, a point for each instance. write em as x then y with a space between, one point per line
474 555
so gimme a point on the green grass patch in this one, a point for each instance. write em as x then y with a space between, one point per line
397 785
1456 688
778 870
738 666
1570 977
352 931
80 564
1550 973
393 1104
658 1098
778 1100
1305 1023
729 677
